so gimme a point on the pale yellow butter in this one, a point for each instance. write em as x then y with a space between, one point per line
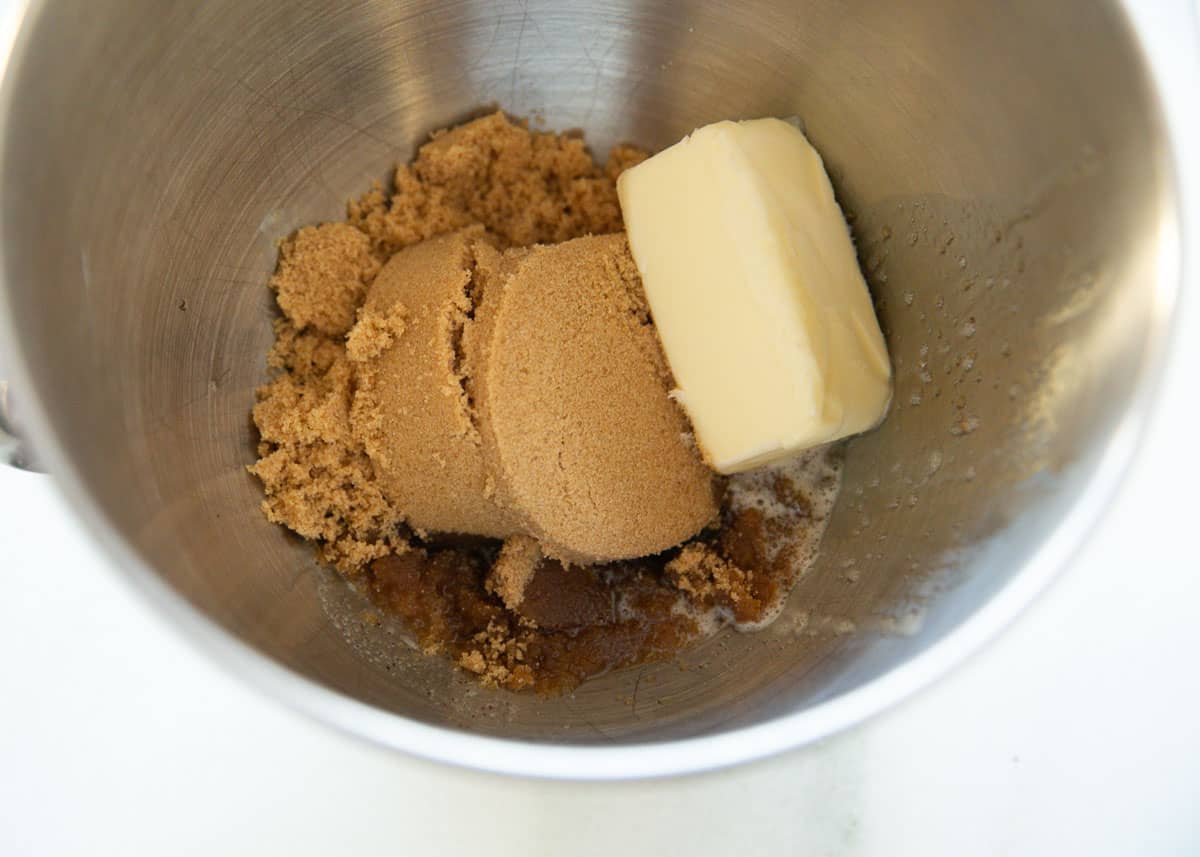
756 293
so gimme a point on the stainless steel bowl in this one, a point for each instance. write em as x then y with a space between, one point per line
1010 184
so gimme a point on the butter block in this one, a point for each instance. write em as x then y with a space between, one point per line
752 281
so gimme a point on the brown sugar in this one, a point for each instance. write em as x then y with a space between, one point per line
527 396
572 396
410 411
318 481
513 569
316 475
323 274
434 373
525 187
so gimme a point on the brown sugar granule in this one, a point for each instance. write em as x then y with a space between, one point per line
572 400
525 187
510 574
411 410
375 332
317 480
711 579
322 277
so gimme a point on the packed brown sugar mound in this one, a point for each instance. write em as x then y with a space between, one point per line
469 417
573 396
527 395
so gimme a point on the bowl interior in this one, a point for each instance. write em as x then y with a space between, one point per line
1004 167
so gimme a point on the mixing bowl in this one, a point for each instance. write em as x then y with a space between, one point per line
1009 183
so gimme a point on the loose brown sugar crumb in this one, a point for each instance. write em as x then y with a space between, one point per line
323 274
525 187
505 614
510 575
318 481
375 332
711 579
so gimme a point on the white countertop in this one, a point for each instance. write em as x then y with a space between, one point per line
116 737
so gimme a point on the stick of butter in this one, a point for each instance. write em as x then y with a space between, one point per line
751 277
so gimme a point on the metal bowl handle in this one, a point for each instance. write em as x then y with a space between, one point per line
13 451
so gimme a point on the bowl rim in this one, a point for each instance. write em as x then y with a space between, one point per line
677 756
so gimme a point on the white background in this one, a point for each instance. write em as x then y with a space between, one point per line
1078 732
